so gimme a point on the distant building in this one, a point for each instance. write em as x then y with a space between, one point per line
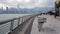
2 9
7 9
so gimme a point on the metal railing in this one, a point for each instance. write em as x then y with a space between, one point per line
8 25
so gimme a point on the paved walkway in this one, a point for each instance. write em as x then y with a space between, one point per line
25 27
52 26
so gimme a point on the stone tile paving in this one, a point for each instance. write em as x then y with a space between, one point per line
52 26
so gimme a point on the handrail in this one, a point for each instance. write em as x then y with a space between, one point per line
6 21
12 21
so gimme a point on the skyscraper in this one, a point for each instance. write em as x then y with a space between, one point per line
7 9
1 10
18 6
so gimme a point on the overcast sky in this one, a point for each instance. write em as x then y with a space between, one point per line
27 3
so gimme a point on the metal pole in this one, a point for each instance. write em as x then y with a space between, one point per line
11 26
59 11
22 19
18 22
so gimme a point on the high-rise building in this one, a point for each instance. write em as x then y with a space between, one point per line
7 9
2 9
18 6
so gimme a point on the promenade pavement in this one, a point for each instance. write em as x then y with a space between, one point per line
52 25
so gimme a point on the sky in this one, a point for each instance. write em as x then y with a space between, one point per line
27 3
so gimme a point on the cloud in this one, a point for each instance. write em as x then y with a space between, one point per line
28 3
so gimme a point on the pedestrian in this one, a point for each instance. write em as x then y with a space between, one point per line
55 14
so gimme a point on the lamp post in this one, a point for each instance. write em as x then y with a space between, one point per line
59 11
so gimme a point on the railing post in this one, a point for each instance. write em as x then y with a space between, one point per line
22 19
11 26
18 21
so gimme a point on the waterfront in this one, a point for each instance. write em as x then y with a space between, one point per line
5 28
